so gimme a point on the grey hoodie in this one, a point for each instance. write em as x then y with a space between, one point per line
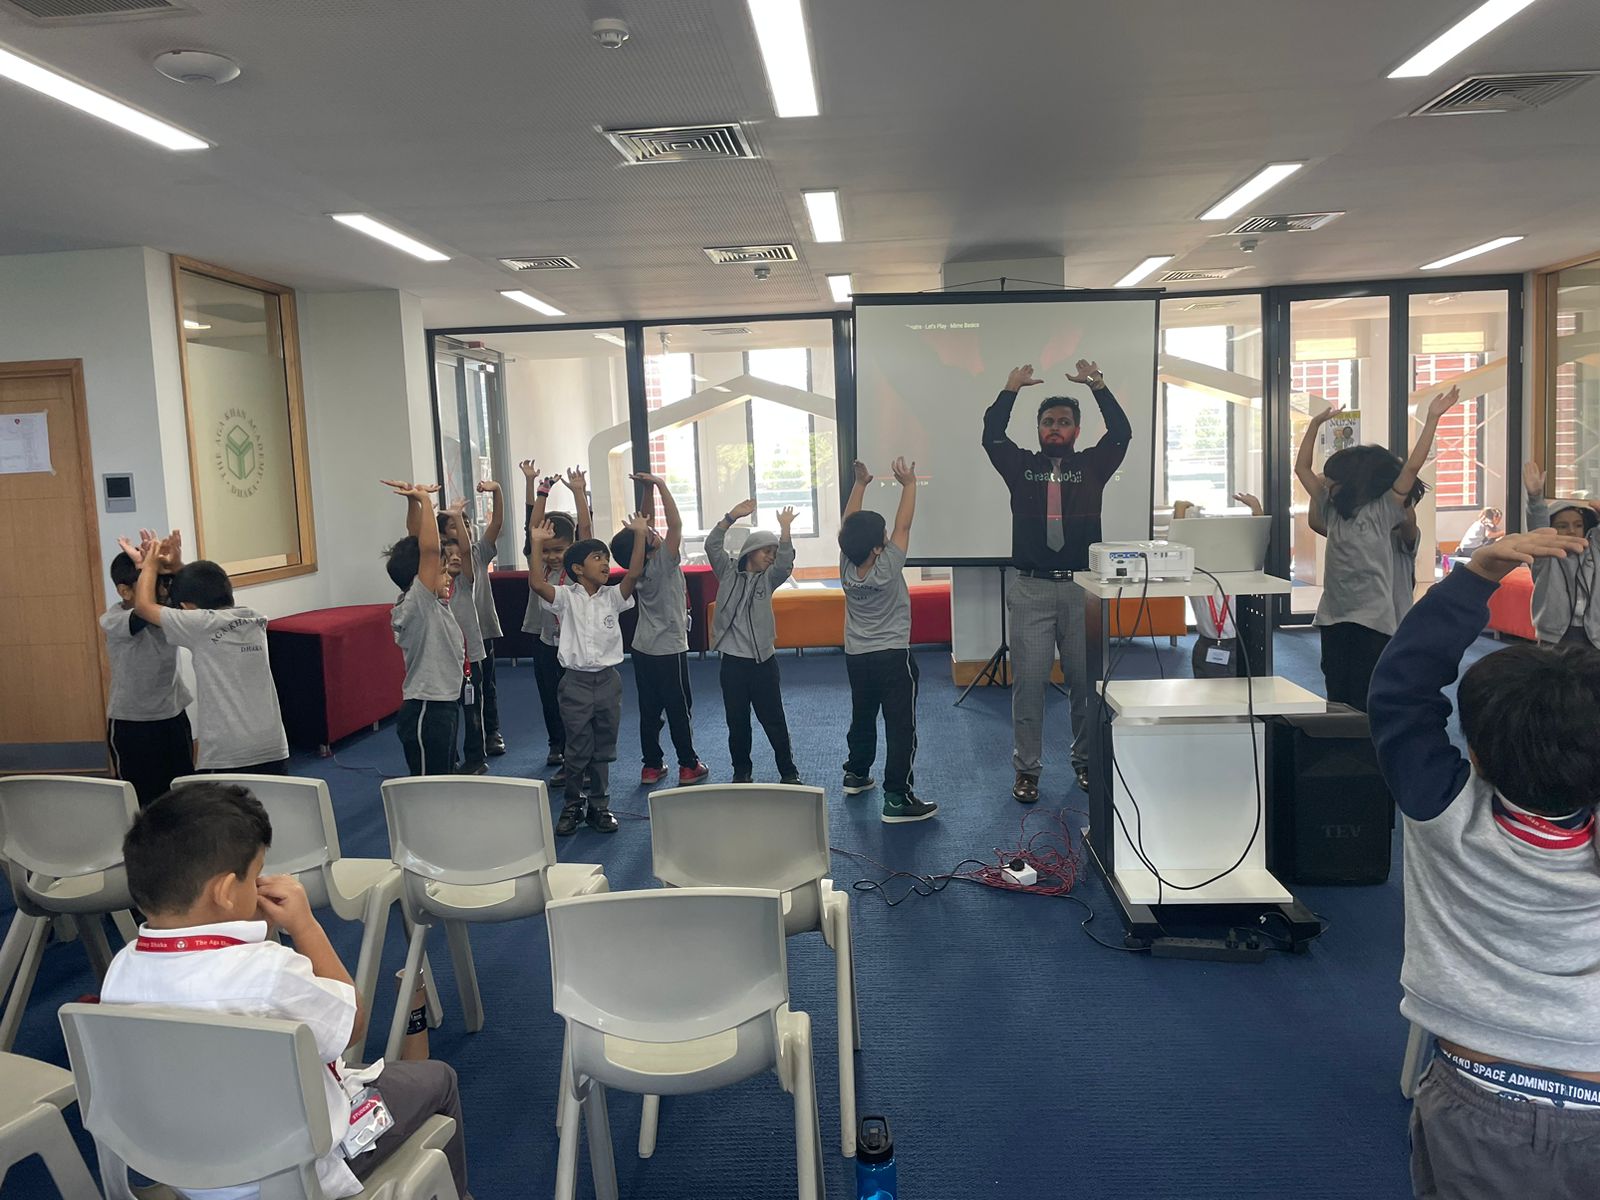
1558 583
746 596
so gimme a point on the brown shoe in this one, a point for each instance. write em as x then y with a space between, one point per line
1026 788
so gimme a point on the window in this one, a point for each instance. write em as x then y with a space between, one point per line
783 467
1567 379
1459 482
669 377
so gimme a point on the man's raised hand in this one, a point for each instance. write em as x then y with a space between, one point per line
863 476
1020 378
1496 560
1088 372
905 474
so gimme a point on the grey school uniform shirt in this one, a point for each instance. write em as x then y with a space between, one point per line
483 592
877 609
145 684
1565 590
539 618
1358 565
661 598
430 642
744 625
238 723
464 607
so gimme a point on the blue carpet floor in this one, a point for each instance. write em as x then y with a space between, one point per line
1012 1054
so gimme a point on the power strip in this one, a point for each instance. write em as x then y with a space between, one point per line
1020 873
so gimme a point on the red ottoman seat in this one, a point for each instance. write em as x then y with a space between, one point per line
1511 606
930 613
337 670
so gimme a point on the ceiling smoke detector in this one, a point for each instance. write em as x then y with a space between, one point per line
197 66
610 32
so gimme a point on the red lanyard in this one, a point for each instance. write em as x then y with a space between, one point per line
187 944
1220 620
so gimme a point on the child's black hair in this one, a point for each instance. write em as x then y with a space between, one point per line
189 836
1050 402
565 527
405 559
860 534
1363 474
203 584
1528 715
123 572
579 551
1590 518
622 548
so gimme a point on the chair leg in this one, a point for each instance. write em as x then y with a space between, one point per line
11 951
649 1122
126 926
95 945
27 971
48 1137
567 1155
374 923
602 1158
563 1097
1418 1053
408 984
466 975
431 991
845 1002
809 1170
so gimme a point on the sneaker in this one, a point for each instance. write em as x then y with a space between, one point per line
899 810
792 779
557 781
480 769
496 744
568 822
694 774
649 776
555 758
602 820
1083 779
855 784
744 777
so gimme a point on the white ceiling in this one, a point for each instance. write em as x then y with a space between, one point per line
955 131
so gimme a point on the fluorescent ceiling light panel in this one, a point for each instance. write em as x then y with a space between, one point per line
362 223
533 302
1452 259
188 324
96 104
604 337
839 285
1478 23
1258 185
823 209
786 54
1143 270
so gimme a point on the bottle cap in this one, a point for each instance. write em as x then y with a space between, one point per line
874 1141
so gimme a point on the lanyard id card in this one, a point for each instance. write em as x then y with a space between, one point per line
1219 655
469 695
369 1120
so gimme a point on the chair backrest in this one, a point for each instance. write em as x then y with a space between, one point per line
201 1100
670 965
304 836
752 835
64 825
464 829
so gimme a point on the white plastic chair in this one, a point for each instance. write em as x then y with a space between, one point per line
472 849
672 992
61 844
1419 1053
756 835
33 1095
207 1100
305 844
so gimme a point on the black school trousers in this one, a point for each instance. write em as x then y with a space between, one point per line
547 673
151 754
883 681
427 730
746 685
491 696
472 724
1350 653
663 681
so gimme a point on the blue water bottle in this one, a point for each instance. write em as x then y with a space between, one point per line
875 1173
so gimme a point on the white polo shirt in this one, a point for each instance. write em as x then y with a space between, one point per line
591 637
232 968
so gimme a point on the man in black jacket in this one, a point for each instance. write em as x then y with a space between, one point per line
1055 517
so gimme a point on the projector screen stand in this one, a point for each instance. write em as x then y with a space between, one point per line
997 671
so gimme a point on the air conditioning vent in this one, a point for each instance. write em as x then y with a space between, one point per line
1197 276
81 12
551 263
730 256
686 143
1283 223
1504 93
726 330
1205 305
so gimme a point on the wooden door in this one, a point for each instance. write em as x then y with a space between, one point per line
52 701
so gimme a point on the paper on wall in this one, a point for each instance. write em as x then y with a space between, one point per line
24 444
1341 431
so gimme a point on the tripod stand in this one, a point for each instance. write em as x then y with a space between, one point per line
997 671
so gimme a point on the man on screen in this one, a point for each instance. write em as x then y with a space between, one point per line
1055 516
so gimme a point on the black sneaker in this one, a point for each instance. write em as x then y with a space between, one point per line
568 823
899 810
854 784
496 744
792 779
743 777
477 769
557 781
555 758
602 820
1083 779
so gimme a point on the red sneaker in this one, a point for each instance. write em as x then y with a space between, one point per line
694 774
652 775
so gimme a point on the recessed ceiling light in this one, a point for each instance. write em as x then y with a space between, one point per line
839 285
533 302
1478 23
96 104
786 54
1473 252
1143 270
195 325
1259 184
362 223
604 337
823 209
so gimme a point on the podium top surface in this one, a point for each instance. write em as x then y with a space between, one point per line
1155 699
1236 583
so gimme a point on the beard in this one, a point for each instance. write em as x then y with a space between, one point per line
1061 444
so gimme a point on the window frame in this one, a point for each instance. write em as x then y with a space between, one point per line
1546 370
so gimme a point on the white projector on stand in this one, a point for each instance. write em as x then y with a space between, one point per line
1135 562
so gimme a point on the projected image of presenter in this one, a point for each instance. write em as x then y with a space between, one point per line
1055 516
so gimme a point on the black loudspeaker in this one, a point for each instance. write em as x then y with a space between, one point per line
1330 817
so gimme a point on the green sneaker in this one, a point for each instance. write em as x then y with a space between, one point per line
897 810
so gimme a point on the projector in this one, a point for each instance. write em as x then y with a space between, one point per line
1135 562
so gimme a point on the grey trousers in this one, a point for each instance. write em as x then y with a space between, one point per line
591 710
415 1091
1045 618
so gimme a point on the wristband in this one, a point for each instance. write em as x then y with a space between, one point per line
730 518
